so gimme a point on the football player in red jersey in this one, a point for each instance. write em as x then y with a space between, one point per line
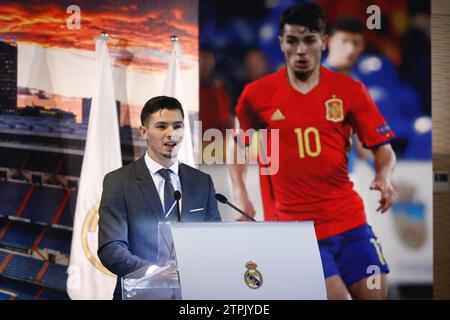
315 111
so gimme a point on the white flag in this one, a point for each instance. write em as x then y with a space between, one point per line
88 278
173 87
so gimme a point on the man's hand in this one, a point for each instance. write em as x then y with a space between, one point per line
387 193
243 202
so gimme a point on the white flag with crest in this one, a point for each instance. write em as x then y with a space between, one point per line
173 87
88 278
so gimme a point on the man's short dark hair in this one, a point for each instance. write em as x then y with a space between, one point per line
159 103
347 24
309 15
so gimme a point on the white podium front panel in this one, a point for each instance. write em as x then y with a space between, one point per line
247 260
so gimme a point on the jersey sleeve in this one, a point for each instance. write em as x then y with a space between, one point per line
247 118
367 120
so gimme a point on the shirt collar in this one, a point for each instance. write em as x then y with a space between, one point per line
154 166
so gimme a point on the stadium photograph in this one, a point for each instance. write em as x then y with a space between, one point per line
148 147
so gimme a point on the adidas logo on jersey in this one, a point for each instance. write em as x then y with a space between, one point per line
277 115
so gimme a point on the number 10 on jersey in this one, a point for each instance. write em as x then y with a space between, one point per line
304 138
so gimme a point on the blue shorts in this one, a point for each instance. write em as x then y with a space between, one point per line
353 255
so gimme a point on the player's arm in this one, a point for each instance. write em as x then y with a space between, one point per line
363 153
238 173
246 121
384 166
375 134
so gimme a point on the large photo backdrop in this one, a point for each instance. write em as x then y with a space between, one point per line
394 63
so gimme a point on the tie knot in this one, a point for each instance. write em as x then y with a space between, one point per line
165 173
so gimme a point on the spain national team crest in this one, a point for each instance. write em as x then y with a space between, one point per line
252 277
335 109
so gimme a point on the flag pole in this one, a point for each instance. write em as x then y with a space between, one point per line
173 87
88 278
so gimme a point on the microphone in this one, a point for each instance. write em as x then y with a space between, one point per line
177 196
221 198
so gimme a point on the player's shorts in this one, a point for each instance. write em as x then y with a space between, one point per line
353 255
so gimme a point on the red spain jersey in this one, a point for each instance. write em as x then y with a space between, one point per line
315 131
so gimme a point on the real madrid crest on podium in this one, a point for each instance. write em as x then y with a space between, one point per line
252 277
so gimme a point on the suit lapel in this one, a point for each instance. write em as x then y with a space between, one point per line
187 189
147 186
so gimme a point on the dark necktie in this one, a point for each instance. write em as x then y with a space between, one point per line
169 200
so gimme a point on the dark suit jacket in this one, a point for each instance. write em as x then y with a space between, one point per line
130 210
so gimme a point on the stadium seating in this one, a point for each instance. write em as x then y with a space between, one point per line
28 291
25 235
11 157
43 204
26 268
24 288
12 195
57 239
22 268
40 162
3 255
28 277
5 125
4 296
67 215
18 234
55 277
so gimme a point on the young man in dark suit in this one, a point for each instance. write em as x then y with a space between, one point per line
139 195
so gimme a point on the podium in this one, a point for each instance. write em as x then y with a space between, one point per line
232 261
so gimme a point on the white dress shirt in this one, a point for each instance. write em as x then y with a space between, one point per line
158 180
